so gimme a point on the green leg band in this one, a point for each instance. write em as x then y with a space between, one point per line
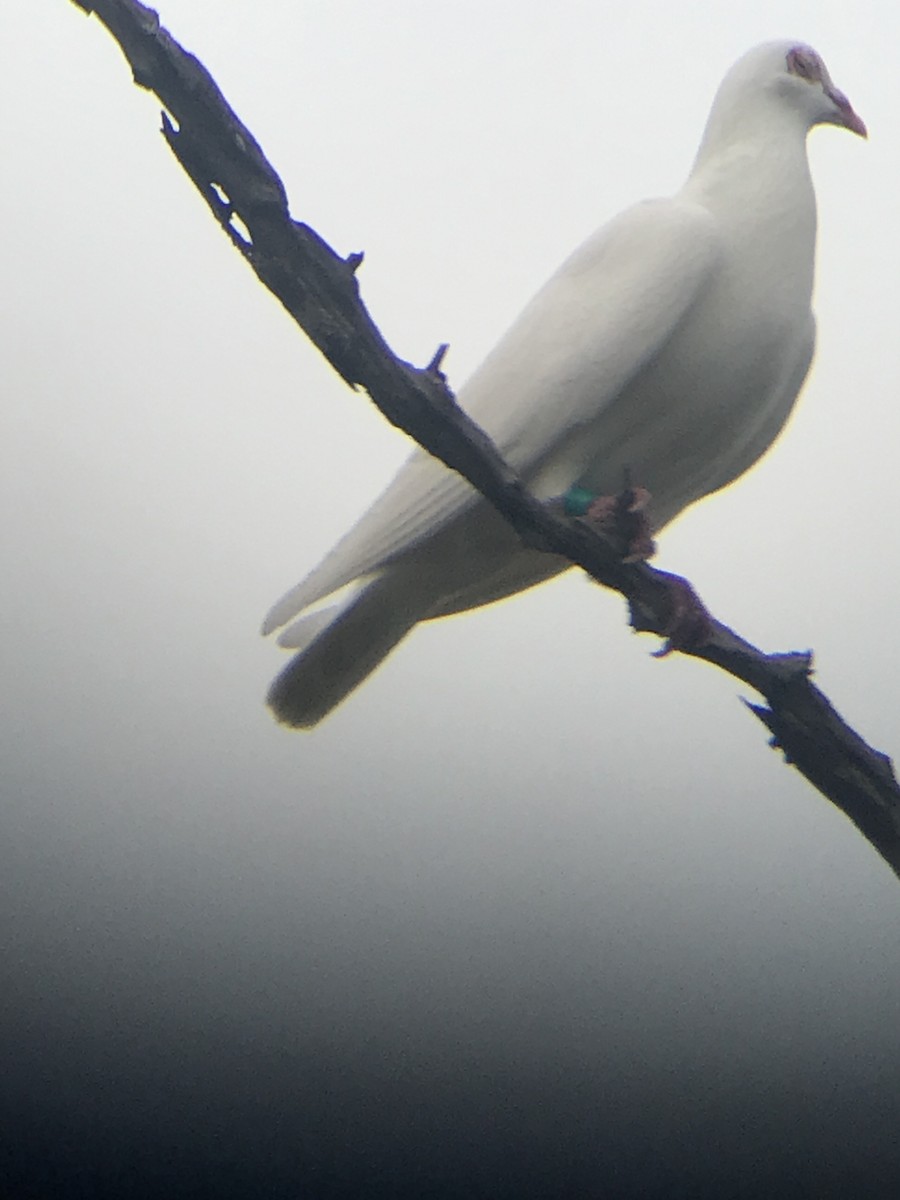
577 501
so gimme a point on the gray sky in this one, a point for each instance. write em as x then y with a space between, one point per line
524 841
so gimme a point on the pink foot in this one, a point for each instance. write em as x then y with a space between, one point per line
623 517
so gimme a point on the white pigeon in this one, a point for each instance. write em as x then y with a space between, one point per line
669 348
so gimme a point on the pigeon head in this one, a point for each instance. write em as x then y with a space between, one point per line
808 78
777 89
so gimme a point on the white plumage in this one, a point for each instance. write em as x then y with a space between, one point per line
671 345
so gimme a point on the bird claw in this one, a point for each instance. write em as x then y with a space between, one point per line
623 518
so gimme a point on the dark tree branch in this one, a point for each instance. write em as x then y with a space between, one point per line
319 289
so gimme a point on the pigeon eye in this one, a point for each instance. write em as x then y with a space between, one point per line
806 64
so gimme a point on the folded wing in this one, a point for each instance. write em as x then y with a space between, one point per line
607 312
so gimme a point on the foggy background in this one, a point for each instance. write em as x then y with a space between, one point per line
533 913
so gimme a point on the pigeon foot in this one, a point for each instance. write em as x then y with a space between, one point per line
621 518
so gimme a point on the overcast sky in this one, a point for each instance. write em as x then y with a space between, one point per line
532 908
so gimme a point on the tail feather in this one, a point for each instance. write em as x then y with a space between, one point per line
342 651
303 631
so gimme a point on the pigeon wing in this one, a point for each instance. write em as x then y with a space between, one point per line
612 306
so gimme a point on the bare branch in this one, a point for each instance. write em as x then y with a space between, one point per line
319 289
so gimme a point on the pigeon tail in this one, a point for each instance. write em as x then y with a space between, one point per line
340 655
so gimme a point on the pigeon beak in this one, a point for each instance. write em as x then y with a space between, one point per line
845 115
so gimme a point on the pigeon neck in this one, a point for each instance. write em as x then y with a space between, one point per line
736 130
760 192
754 165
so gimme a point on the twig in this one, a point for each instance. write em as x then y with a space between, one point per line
319 289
